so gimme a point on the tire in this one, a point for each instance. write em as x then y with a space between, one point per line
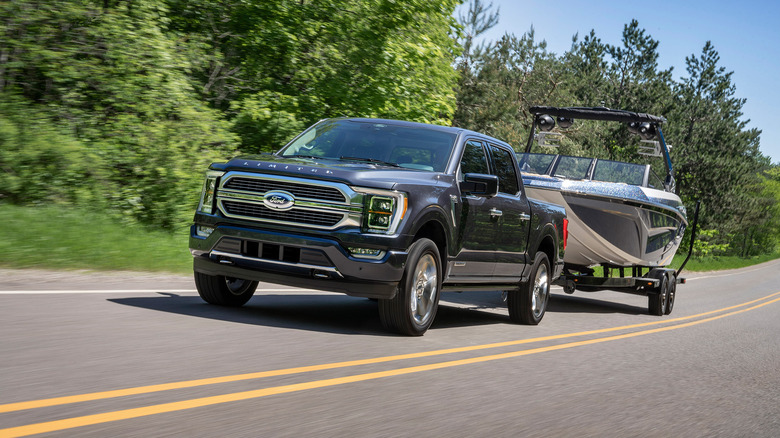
224 291
672 292
412 310
528 303
656 302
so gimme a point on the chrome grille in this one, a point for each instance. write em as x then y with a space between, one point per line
299 190
299 216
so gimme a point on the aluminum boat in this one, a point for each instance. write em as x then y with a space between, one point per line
620 214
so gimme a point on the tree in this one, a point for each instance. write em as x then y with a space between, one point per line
277 66
718 159
111 82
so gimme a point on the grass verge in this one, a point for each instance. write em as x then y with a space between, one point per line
66 238
721 263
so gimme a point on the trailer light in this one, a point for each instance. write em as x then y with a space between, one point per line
565 232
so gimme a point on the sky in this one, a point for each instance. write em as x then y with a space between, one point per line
745 34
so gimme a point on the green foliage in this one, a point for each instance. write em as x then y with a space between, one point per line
707 244
122 105
40 160
112 109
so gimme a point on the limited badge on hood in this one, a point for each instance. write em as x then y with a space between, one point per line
278 200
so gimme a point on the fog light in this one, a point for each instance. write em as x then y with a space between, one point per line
366 253
202 231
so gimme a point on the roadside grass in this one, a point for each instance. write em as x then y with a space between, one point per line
720 263
53 237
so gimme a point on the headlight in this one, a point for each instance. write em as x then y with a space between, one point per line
382 210
209 189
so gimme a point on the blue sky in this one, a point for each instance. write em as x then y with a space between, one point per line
745 34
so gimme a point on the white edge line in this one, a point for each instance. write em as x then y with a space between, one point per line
125 291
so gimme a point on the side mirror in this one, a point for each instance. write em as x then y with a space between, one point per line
479 184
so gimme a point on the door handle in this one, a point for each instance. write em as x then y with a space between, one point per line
525 217
496 212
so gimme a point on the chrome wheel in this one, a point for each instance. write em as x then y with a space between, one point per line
424 290
541 292
528 303
413 308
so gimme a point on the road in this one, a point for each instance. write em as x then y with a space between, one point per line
97 355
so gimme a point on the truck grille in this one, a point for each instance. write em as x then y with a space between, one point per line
299 190
308 217
316 203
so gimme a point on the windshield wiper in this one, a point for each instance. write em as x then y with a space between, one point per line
370 160
302 156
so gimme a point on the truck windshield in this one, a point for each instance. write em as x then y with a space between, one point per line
383 143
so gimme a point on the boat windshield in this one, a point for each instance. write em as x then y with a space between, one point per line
383 143
583 168
535 163
619 172
572 167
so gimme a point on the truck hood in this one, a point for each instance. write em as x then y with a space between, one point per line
348 172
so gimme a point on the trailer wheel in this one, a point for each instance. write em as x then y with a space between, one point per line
671 294
656 301
528 303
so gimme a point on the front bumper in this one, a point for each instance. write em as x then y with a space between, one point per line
320 263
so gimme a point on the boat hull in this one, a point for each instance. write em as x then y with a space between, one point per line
612 223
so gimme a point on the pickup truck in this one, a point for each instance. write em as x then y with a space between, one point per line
384 209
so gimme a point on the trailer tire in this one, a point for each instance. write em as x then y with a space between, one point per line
656 301
671 294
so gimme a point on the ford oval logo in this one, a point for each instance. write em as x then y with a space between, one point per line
279 200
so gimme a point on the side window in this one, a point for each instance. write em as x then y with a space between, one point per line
474 160
505 170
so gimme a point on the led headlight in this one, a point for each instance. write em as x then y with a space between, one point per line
209 189
382 210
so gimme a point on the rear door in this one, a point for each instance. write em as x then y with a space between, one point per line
511 213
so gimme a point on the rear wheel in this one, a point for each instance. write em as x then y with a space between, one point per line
224 291
413 308
528 303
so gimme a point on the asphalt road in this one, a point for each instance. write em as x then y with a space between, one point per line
99 355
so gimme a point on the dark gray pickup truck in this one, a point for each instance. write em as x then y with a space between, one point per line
384 209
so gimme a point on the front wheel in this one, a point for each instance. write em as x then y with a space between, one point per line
528 303
413 308
224 291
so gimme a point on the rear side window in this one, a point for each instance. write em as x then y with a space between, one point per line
505 170
474 160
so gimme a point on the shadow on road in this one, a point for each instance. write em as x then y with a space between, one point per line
350 315
323 313
578 304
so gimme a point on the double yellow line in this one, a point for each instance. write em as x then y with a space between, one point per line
57 425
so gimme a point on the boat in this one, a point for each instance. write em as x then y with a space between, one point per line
620 214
